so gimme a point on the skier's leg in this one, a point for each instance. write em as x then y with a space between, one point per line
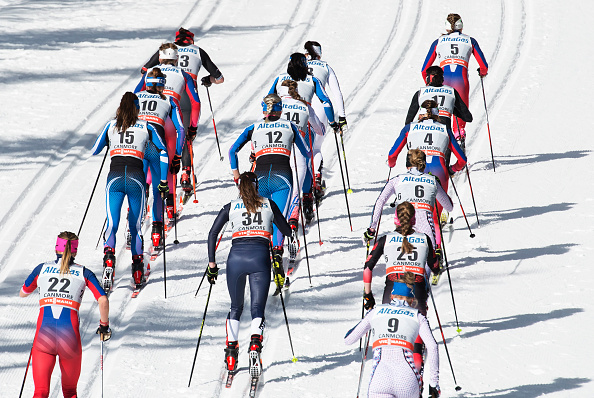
114 197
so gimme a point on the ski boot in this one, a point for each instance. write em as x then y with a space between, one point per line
254 351
293 244
186 182
443 219
170 206
157 235
231 355
319 188
138 269
108 267
308 210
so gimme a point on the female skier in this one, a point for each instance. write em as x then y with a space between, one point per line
61 287
126 138
395 328
272 141
250 218
453 51
156 108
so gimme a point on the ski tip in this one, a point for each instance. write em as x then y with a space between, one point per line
458 388
349 190
294 359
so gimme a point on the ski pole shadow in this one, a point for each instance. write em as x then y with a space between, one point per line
535 390
488 217
525 160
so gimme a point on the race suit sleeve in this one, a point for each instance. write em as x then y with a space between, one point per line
194 99
479 56
217 226
102 140
460 108
388 190
92 283
141 84
163 157
243 138
398 145
359 330
413 109
209 65
334 88
279 219
443 198
457 152
431 55
314 121
328 109
374 256
153 61
432 350
273 88
31 282
174 114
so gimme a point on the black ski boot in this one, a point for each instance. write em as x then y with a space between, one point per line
308 210
231 356
109 261
138 269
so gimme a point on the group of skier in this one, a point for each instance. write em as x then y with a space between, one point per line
150 142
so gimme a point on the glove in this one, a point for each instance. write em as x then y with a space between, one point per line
236 180
482 72
368 235
206 81
434 392
211 274
143 70
451 171
368 301
175 164
163 188
342 123
335 126
252 157
191 133
104 332
279 274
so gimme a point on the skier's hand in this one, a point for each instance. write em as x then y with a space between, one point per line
163 188
191 134
236 177
369 301
451 171
104 331
368 235
434 392
342 123
482 72
175 164
252 157
143 70
212 273
335 126
206 81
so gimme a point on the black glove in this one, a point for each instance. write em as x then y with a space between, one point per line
163 188
451 171
482 73
206 81
369 301
191 133
434 392
211 274
252 157
342 123
335 126
175 164
143 70
104 332
368 236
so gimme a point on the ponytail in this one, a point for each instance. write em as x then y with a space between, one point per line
431 110
292 85
127 113
248 191
416 158
405 213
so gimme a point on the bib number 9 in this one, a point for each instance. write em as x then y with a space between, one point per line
392 325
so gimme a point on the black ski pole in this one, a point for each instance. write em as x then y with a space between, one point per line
472 195
101 234
280 291
93 192
461 208
367 335
342 175
26 371
175 242
458 388
200 335
101 368
164 261
346 168
301 214
214 124
447 267
488 128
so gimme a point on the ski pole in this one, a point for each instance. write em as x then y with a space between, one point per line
200 285
462 208
101 234
472 195
342 175
379 220
367 335
302 219
458 388
346 168
191 146
175 241
488 128
280 290
26 371
164 261
313 172
101 368
214 124
93 192
200 335
447 267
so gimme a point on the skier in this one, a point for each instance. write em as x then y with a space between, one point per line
325 74
406 250
126 138
272 141
177 82
299 112
395 328
61 287
419 188
448 99
191 59
453 51
156 108
250 218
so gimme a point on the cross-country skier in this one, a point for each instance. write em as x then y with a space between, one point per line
421 190
406 250
127 137
395 327
156 108
272 143
325 74
191 59
61 284
453 51
449 102
250 218
177 82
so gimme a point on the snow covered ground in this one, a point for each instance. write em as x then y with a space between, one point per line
522 290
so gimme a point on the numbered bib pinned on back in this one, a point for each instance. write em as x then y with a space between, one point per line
274 138
395 326
250 225
399 262
153 108
131 142
430 137
444 96
419 190
57 290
